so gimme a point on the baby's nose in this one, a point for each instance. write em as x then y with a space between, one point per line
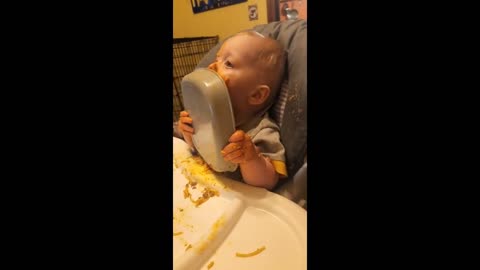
213 66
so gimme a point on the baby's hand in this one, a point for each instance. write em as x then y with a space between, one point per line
240 149
185 127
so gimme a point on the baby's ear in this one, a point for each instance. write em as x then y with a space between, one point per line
259 95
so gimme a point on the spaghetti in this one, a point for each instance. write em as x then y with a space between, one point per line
244 255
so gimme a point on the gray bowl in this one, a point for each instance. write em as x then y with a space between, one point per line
207 101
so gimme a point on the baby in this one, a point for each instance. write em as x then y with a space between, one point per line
252 67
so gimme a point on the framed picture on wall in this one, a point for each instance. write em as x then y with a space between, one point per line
206 5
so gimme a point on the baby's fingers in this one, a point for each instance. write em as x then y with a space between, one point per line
186 128
237 136
230 148
186 120
185 123
249 148
235 156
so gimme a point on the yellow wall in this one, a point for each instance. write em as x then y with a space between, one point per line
222 21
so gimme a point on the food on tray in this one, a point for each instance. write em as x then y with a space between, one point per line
207 193
195 170
195 163
195 167
250 254
214 229
188 247
186 193
210 265
177 233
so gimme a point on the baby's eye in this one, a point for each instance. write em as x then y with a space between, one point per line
228 64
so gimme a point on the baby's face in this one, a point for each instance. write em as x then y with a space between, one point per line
237 64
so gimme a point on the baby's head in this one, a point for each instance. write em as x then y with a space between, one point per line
253 67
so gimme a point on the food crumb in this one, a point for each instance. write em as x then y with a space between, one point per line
189 247
210 265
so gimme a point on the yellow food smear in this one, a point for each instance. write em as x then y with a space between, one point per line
177 233
210 265
195 169
212 235
178 215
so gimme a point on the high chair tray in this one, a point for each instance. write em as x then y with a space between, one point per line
219 223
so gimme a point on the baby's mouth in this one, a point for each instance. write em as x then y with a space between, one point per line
225 79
